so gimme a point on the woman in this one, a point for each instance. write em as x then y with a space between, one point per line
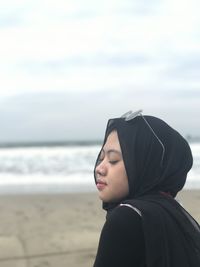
141 167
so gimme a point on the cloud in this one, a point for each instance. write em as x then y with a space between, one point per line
83 115
143 7
9 21
85 61
100 57
186 68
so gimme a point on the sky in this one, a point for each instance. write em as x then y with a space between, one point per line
67 66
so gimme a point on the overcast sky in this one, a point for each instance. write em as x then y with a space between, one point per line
66 66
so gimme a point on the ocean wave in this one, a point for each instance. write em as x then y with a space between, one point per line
61 167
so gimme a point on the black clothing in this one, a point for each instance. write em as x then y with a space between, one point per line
171 235
122 240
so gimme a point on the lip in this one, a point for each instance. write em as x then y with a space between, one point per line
101 185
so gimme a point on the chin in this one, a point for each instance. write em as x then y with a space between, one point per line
111 198
103 197
106 198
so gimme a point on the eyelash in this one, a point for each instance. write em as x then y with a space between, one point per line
113 162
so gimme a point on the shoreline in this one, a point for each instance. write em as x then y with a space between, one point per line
58 229
62 188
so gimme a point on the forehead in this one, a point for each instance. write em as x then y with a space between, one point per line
112 141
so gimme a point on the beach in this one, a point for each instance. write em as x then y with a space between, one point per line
58 229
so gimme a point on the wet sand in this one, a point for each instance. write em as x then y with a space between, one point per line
58 230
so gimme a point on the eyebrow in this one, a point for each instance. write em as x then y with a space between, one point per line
112 151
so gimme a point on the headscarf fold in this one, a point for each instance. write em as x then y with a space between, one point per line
172 236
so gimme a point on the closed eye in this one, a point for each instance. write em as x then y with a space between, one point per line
113 161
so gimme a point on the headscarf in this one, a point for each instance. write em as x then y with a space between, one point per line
157 159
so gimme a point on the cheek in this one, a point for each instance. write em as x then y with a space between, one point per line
120 183
117 188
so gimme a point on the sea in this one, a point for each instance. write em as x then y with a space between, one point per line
60 167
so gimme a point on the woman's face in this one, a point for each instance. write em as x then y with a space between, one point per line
112 180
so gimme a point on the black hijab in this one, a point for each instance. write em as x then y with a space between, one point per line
155 175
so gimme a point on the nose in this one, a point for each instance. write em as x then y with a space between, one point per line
101 169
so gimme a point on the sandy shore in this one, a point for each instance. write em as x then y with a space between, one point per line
58 230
